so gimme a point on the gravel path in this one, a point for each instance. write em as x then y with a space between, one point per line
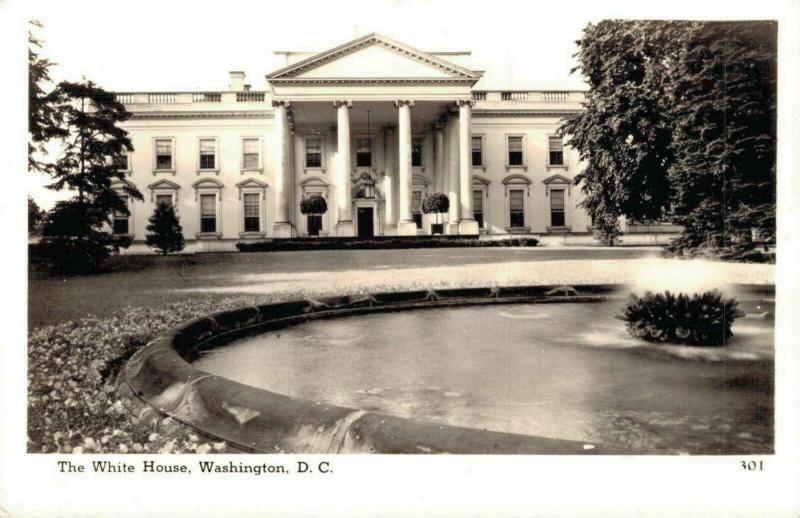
643 274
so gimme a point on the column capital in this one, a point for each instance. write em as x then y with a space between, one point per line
404 102
465 102
276 103
343 102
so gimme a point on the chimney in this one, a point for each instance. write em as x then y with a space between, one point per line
247 88
236 81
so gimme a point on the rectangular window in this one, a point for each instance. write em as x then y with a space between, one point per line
556 151
208 153
515 151
477 206
121 161
252 212
208 213
557 208
164 151
164 198
416 152
251 157
363 152
516 207
122 220
477 151
416 207
314 152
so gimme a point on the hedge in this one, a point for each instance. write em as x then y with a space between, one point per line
380 243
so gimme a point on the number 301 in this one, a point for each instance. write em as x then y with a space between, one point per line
753 465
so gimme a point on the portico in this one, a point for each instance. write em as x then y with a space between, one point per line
395 114
371 128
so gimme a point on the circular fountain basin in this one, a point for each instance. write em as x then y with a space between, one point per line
548 374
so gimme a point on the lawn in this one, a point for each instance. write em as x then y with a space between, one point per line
73 357
154 281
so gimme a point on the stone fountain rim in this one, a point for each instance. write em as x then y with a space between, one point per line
160 380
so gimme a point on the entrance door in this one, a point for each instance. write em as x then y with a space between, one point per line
365 225
314 224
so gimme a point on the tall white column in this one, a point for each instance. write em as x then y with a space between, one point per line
467 224
344 209
438 158
283 170
390 209
406 225
454 183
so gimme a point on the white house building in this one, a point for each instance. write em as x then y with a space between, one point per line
373 126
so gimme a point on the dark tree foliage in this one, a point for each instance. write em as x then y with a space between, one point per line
164 233
35 215
315 205
625 134
724 106
437 203
44 116
702 319
680 124
70 242
91 143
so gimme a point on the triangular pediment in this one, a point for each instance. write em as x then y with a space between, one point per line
370 57
164 184
251 183
557 178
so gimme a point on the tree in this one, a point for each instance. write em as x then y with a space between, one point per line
724 107
624 135
164 233
680 123
437 203
35 215
91 144
315 206
44 116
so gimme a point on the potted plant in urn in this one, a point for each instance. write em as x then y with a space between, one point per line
314 207
437 203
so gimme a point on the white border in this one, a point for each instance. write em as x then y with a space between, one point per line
422 485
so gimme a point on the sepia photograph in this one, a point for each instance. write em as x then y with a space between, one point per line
267 237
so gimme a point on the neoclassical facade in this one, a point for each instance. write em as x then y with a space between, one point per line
373 127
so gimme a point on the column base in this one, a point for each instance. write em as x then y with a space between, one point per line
345 229
451 229
468 227
282 230
407 228
390 229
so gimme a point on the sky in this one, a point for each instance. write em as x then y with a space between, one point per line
162 45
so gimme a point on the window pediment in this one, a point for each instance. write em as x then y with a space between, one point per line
251 183
314 182
516 179
557 179
164 184
480 180
208 183
420 180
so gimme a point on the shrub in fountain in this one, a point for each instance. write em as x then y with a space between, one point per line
702 319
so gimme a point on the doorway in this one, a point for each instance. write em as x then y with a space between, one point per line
365 222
